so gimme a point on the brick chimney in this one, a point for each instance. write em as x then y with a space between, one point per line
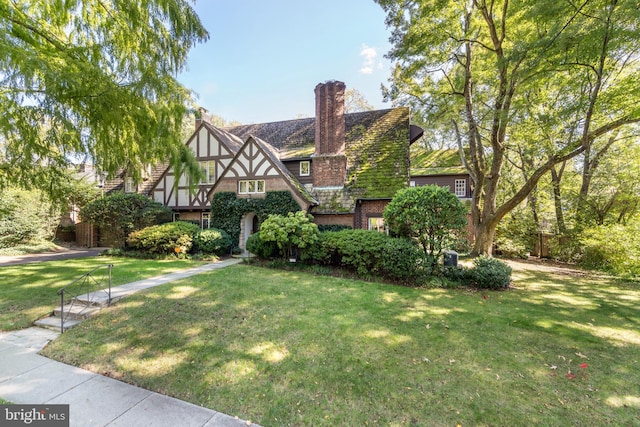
329 161
202 115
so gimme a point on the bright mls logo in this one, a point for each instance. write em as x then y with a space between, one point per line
34 415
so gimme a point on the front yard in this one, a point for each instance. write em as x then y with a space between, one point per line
287 348
28 292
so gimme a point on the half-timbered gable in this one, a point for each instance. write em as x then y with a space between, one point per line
255 170
214 149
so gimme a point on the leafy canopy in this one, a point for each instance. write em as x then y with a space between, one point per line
530 83
92 78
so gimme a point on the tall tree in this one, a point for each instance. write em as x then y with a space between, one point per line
354 102
474 66
96 77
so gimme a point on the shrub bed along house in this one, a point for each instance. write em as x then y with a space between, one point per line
172 237
400 260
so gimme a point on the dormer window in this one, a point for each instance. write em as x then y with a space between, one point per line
305 168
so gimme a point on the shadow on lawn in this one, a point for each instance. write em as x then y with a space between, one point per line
286 348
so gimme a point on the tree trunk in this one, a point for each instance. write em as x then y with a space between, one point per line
484 234
557 198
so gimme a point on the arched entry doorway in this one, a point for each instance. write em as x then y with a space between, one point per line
250 224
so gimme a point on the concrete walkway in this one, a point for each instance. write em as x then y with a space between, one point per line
95 400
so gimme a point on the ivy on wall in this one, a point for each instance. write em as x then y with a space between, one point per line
227 209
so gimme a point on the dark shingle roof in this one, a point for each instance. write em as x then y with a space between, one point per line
376 146
296 138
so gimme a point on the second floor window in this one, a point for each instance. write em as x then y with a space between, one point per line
460 188
305 168
209 171
251 186
129 186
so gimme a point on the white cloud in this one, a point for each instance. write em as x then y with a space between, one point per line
369 54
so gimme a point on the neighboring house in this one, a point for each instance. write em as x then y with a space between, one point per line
341 168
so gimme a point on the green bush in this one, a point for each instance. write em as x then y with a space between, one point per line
260 248
173 237
212 241
431 215
516 234
370 253
358 250
457 274
333 227
122 213
490 273
26 217
613 248
401 260
291 233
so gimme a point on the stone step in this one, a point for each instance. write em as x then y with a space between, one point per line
53 323
76 311
97 299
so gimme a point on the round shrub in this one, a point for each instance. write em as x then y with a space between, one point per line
490 273
260 248
212 241
173 237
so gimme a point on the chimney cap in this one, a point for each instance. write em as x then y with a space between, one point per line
331 83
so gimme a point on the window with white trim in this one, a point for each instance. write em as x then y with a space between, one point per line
412 184
209 171
206 220
460 188
176 216
377 224
305 168
251 186
129 186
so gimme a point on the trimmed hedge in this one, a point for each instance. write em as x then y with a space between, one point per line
369 253
173 237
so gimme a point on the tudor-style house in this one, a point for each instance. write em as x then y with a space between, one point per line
341 168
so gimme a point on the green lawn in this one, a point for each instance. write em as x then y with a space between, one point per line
286 348
28 292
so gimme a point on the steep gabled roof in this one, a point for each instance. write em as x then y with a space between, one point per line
143 187
231 141
276 166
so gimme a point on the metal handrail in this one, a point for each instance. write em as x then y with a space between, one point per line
84 279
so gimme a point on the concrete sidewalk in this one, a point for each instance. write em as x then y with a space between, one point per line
95 400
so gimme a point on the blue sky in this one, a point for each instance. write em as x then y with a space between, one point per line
265 57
